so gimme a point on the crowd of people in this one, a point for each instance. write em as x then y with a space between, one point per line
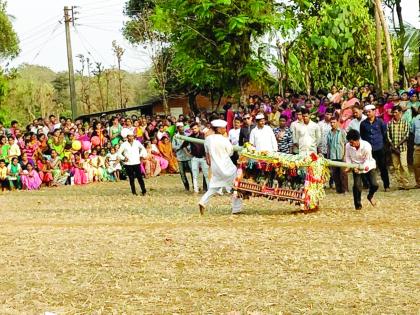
58 151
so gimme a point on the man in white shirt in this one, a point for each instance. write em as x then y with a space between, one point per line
262 137
308 134
293 128
325 128
131 152
358 117
218 153
360 152
233 134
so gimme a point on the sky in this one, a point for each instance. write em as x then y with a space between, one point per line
40 27
98 23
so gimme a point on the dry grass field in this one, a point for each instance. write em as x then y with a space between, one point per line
99 250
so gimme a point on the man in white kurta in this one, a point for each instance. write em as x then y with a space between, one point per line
262 137
218 152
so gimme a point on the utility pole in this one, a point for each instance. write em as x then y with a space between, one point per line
69 18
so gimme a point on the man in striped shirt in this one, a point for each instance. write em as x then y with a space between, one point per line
284 136
397 134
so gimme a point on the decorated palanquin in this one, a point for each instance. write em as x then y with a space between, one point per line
285 177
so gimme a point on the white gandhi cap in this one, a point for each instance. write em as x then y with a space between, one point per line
219 123
370 107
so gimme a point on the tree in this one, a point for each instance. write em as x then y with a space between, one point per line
219 44
321 44
98 72
388 45
140 30
9 43
119 52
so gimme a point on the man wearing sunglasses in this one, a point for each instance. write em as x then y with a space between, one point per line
246 129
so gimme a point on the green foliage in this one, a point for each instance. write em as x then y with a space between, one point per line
9 43
215 43
329 48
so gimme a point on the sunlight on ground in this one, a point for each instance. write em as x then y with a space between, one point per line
97 249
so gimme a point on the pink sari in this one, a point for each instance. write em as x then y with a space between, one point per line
31 180
346 114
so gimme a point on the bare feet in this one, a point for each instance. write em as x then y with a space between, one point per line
372 201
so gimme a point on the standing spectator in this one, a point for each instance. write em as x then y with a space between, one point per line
234 138
246 129
274 117
284 136
336 142
262 137
198 159
308 134
229 115
293 127
398 131
373 130
358 117
325 128
132 152
184 160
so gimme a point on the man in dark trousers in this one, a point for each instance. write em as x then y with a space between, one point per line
132 151
360 152
247 126
374 131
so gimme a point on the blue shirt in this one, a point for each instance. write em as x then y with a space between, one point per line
415 129
374 133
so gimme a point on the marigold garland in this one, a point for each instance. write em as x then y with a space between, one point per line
316 168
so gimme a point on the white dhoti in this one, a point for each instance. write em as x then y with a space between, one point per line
223 170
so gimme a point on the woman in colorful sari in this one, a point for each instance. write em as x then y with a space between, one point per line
30 178
57 143
25 161
43 143
43 168
79 174
346 113
115 131
59 176
165 148
158 156
150 163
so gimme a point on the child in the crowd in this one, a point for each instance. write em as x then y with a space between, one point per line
87 166
13 174
79 174
66 167
94 163
103 173
30 178
114 167
3 176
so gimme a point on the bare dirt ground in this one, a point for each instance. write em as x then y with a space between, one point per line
98 250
